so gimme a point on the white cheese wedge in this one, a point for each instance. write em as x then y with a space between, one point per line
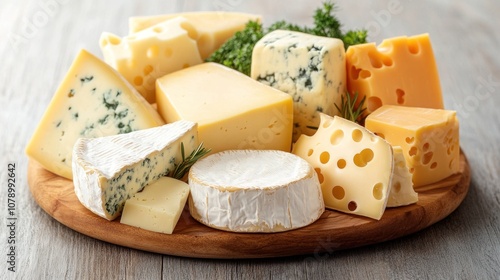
147 55
402 192
214 27
109 170
158 206
354 166
254 191
93 100
309 68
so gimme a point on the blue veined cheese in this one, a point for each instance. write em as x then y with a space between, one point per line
309 68
109 170
93 100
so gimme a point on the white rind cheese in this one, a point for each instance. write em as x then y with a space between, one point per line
254 191
109 170
158 206
309 68
402 192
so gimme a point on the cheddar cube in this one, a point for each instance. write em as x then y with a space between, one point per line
232 110
399 71
429 139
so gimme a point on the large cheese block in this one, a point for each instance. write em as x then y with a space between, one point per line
429 139
399 71
254 191
213 27
93 100
158 206
354 166
147 55
232 110
402 192
109 170
309 68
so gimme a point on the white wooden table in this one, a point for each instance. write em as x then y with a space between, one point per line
41 38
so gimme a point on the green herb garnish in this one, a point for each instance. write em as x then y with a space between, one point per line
350 110
183 167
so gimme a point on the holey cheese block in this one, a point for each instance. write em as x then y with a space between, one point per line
93 100
402 192
309 68
254 191
151 53
354 166
109 170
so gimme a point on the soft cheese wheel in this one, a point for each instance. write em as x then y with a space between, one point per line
254 191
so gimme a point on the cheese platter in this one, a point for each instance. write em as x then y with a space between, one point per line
331 232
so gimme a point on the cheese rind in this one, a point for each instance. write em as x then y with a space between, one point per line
429 139
147 55
232 110
354 166
254 191
109 170
399 71
213 27
309 68
402 192
158 206
93 100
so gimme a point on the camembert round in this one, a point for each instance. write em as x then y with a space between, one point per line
254 191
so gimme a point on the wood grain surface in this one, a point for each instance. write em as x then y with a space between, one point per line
41 38
337 231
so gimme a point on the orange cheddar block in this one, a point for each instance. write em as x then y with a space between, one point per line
399 71
429 139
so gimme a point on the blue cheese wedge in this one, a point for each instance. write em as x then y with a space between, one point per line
93 100
309 68
109 170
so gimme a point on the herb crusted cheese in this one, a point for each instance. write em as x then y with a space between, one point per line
309 68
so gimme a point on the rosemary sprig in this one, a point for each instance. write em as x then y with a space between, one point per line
183 167
349 110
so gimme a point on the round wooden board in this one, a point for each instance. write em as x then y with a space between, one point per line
333 231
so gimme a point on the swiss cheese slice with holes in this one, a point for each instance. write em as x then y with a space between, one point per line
254 191
354 166
402 192
147 55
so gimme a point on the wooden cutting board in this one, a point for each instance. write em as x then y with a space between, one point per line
333 231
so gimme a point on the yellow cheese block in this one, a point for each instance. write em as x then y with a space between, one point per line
354 166
399 71
214 27
147 55
429 139
93 100
158 206
232 110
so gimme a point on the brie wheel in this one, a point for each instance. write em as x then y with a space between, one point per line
254 191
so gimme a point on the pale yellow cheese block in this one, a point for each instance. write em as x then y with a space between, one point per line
402 192
214 27
158 207
232 110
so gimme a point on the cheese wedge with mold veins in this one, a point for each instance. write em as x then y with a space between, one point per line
147 55
254 191
213 27
158 206
429 138
109 170
354 166
93 100
402 192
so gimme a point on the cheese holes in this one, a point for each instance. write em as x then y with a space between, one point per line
363 158
138 81
413 151
114 40
413 47
355 72
327 123
192 33
352 206
148 69
381 135
310 152
152 51
158 29
337 137
321 178
375 59
324 157
373 103
357 135
338 192
434 165
365 74
427 158
400 94
409 140
378 191
397 187
425 147
341 163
